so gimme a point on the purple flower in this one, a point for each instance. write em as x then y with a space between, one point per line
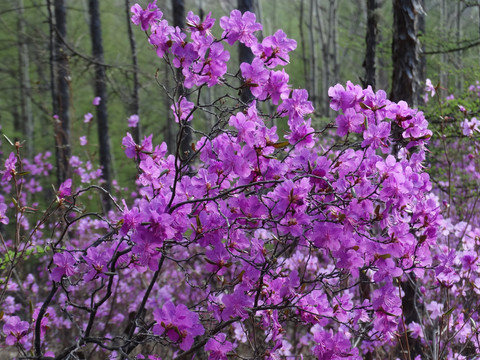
297 106
429 88
256 77
218 347
194 24
469 126
277 86
3 217
97 259
160 37
377 136
15 329
435 309
240 27
10 171
65 265
87 118
65 189
236 304
133 120
131 148
178 323
274 49
350 122
83 140
182 110
147 17
96 100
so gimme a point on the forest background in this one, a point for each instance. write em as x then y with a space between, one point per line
331 48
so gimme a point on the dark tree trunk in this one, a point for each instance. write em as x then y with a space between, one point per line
371 44
25 90
134 107
406 86
60 87
422 71
245 55
406 51
184 138
101 91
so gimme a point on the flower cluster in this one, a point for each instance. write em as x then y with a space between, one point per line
258 245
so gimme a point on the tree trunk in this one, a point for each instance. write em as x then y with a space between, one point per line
406 51
422 73
245 55
312 65
60 86
184 137
443 73
134 107
459 54
302 44
25 90
101 91
406 86
371 44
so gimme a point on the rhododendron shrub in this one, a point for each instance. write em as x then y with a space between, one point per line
254 244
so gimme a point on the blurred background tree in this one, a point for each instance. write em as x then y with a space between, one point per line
48 67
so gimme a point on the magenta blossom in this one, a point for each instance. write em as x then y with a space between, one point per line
218 347
146 17
65 189
240 28
180 324
15 329
133 120
87 118
10 171
65 265
3 217
183 109
194 24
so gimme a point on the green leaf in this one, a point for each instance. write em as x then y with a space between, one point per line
280 145
447 313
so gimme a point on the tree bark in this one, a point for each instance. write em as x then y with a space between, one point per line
406 86
406 51
245 55
185 136
25 89
60 86
134 106
371 44
101 91
312 65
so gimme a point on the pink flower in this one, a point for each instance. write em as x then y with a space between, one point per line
96 100
147 17
133 120
194 24
240 27
83 140
65 265
218 347
10 170
15 329
3 217
87 118
178 323
182 110
430 88
274 49
65 189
